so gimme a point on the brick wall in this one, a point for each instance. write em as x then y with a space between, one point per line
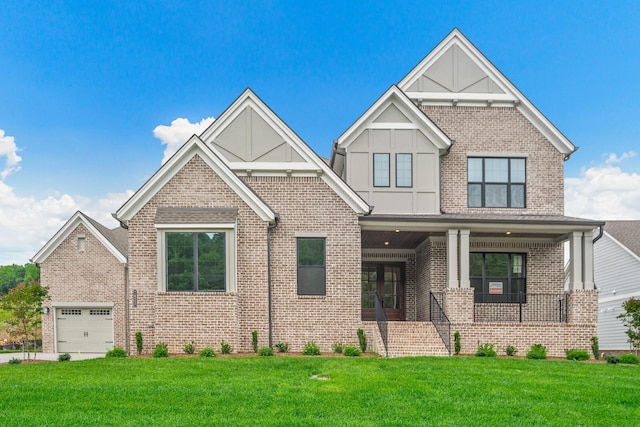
94 275
480 129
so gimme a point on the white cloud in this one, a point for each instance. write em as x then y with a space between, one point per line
604 192
178 133
9 150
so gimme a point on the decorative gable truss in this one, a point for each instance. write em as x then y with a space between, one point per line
94 228
457 73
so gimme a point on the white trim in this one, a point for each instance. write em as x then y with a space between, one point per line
385 125
275 166
462 96
81 304
311 234
66 230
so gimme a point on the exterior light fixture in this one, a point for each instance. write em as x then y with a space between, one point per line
386 243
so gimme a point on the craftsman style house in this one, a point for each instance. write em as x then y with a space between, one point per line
440 210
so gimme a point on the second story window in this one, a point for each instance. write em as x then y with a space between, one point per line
496 182
381 166
404 170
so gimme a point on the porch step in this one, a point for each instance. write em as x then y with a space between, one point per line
414 339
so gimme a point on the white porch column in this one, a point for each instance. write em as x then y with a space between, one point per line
575 266
464 259
452 258
587 263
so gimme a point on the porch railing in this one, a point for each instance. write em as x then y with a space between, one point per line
381 319
439 319
521 307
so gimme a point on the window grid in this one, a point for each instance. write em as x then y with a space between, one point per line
71 312
404 170
381 170
100 312
498 277
195 261
496 182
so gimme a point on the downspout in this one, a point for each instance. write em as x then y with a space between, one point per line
126 310
269 297
600 233
440 175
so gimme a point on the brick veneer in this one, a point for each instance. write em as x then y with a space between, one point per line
94 275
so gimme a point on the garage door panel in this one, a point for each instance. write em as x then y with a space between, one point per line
87 330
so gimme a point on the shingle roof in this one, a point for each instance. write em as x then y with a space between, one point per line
489 218
118 237
166 215
625 232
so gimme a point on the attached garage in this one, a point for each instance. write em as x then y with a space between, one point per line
84 329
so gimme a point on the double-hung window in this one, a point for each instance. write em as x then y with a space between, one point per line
498 277
496 182
403 170
311 266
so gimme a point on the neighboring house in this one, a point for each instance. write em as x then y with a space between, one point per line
617 273
441 209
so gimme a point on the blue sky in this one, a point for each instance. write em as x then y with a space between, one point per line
84 84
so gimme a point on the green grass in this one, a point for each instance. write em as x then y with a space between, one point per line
293 391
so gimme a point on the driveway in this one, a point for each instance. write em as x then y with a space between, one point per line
5 357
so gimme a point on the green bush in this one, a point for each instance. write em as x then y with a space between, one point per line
189 348
14 361
629 359
161 350
595 347
337 347
612 360
485 350
311 349
282 347
265 351
207 352
254 340
139 342
576 354
116 352
225 347
537 351
64 357
456 342
352 351
510 350
362 340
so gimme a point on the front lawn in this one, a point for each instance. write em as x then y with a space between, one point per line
320 391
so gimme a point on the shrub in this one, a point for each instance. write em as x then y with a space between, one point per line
576 354
139 342
629 359
14 361
362 340
64 357
282 347
612 360
265 351
207 352
485 350
225 347
116 352
510 350
456 342
254 340
311 349
337 347
352 351
161 350
189 348
595 347
537 351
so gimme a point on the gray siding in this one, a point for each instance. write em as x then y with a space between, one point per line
615 270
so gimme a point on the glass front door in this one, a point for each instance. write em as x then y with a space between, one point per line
386 280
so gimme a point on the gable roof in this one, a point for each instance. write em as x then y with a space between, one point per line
194 146
626 234
498 88
311 164
402 107
114 240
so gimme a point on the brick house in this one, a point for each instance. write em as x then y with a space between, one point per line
440 210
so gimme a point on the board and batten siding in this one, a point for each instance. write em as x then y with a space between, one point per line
617 276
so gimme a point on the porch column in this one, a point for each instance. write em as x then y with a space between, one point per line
452 258
464 259
575 262
588 260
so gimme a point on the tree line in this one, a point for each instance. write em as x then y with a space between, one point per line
12 275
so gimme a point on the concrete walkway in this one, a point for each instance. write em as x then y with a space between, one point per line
5 357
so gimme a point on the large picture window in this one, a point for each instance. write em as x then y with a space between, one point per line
496 182
196 261
311 266
498 277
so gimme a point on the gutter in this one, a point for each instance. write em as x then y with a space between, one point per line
270 227
600 233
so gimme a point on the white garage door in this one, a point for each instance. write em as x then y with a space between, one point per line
85 330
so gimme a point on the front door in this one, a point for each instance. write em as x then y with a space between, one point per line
386 280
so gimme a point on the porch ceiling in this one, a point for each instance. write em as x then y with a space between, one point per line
394 239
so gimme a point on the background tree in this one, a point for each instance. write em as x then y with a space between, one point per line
24 302
631 319
11 275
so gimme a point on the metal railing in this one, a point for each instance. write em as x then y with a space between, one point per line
439 319
521 307
381 319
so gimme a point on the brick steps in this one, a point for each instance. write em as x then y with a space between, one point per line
414 339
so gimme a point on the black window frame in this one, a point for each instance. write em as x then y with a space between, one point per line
509 184
515 293
195 259
304 288
388 170
411 170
